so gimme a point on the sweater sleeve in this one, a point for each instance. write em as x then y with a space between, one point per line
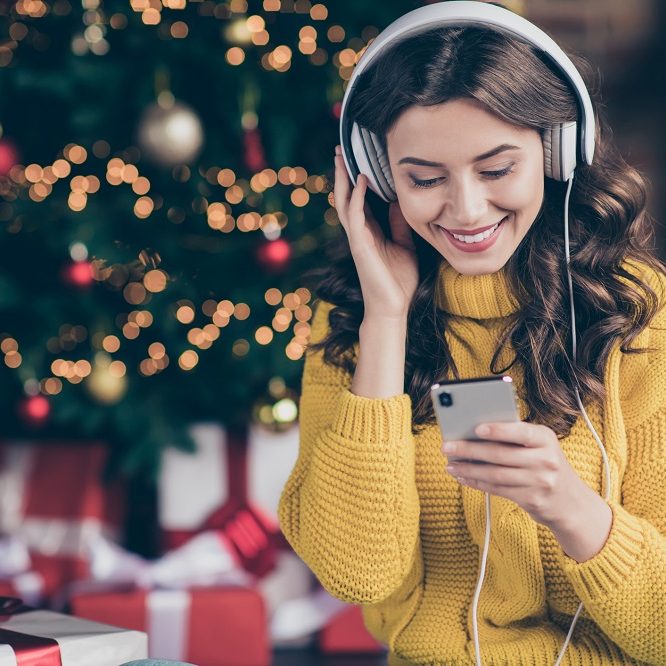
350 507
623 586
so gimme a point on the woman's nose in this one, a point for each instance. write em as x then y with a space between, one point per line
465 204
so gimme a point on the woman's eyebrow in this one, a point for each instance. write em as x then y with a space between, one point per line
491 153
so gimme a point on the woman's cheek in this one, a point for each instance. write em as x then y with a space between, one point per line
520 193
418 210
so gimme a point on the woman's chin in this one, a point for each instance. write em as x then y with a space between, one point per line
477 265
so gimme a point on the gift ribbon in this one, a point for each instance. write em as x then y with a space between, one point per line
252 534
29 650
61 537
204 560
168 613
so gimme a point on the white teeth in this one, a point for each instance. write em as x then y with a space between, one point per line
476 238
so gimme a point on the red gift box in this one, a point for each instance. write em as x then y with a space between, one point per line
218 626
346 633
55 502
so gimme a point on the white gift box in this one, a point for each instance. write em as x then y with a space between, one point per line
81 642
192 485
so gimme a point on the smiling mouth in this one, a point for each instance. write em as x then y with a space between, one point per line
479 237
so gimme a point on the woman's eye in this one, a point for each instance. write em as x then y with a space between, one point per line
498 174
488 174
424 183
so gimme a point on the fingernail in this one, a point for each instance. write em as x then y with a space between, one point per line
338 150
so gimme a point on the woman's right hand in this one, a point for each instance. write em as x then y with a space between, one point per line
387 268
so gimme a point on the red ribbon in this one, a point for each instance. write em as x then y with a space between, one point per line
29 650
253 537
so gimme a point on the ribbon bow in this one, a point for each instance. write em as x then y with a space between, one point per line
204 560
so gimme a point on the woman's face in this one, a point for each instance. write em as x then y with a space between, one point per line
484 172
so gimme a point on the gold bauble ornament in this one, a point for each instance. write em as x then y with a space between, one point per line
104 385
170 134
277 410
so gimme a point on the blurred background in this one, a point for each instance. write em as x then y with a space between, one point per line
162 194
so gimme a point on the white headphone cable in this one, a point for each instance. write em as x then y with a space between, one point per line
590 427
482 573
578 400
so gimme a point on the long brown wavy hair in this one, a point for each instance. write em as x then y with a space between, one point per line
608 226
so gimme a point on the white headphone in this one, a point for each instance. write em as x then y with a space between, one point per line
566 145
361 149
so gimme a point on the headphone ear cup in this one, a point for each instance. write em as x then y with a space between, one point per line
559 150
369 164
383 162
547 139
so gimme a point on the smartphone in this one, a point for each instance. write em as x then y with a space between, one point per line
461 405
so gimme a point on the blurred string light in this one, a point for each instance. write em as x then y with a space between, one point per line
78 251
137 290
242 32
10 348
292 306
40 181
31 8
92 39
107 383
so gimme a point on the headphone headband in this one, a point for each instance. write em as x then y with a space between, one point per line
476 14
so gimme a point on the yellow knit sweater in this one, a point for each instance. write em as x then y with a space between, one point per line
371 510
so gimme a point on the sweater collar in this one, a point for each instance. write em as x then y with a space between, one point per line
476 296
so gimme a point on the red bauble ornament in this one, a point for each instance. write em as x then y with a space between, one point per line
274 255
253 150
35 410
78 274
8 156
337 110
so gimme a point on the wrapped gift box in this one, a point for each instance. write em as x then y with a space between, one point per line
269 459
215 626
230 482
53 500
346 633
47 638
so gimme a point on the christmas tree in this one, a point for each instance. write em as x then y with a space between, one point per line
163 189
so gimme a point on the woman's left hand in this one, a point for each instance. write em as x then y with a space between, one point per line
525 464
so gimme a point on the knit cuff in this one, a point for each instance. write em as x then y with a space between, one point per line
373 421
611 568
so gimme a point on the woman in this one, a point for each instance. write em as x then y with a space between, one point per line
468 279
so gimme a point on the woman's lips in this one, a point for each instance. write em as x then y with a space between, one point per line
473 232
475 247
